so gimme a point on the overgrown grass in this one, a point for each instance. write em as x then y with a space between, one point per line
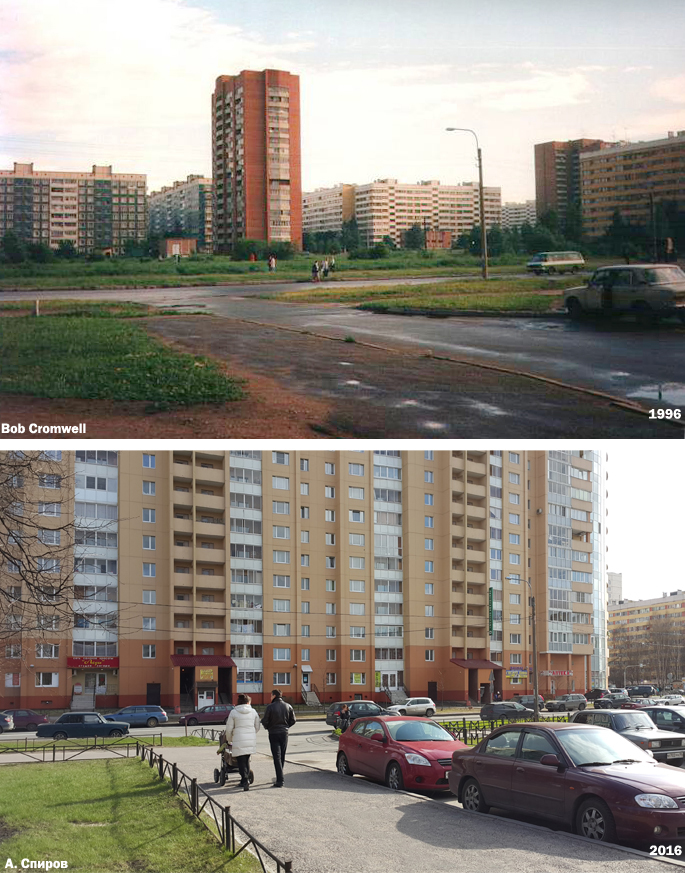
105 816
104 358
85 308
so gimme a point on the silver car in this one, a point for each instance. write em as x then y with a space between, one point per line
668 747
415 706
648 291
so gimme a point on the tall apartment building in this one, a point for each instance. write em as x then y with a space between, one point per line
185 209
557 174
325 209
256 158
387 207
614 587
630 177
327 574
95 211
516 214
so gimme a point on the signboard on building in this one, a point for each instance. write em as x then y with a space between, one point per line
556 672
93 663
378 679
206 674
516 674
490 611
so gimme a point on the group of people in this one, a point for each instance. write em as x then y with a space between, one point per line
242 726
321 269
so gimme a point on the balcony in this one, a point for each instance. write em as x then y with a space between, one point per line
183 580
474 511
475 468
208 501
210 556
210 529
215 583
475 534
457 620
456 599
457 530
458 576
183 525
457 639
457 554
475 490
456 463
182 472
476 620
457 508
474 578
475 642
183 553
475 599
209 476
475 556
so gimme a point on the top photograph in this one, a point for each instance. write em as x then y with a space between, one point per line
232 220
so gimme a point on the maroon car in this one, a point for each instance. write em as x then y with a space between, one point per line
413 753
593 779
26 719
207 715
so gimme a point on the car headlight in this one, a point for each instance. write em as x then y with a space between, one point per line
413 758
654 744
656 801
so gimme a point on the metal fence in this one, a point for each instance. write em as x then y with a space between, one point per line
47 750
215 817
472 731
208 733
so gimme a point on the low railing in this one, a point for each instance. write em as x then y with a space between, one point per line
472 731
215 817
48 750
208 733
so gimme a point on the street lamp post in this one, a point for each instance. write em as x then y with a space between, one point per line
481 201
625 670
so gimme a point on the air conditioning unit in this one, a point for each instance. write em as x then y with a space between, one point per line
538 511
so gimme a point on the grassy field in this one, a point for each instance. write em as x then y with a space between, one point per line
105 816
534 294
10 741
93 351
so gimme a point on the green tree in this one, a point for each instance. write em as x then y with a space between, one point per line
389 242
414 238
550 220
350 235
495 241
13 248
39 253
66 250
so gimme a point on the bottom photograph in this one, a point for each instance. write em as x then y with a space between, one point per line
428 651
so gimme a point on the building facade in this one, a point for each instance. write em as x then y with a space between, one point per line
184 208
388 208
517 214
198 575
630 178
96 211
256 158
557 175
614 587
326 209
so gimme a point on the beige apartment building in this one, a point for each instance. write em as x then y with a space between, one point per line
96 211
517 214
326 209
184 208
387 207
328 574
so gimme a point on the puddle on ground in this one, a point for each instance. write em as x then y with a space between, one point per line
487 408
541 325
345 363
618 374
352 382
415 404
434 425
671 392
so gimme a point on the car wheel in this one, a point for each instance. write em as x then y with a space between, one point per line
222 778
60 735
551 271
582 706
343 765
574 309
595 821
152 722
472 797
401 711
216 774
393 777
116 733
31 727
644 314
430 713
192 722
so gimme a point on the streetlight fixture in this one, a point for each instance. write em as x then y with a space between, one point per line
625 670
536 703
481 201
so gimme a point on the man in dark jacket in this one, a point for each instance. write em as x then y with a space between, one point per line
279 716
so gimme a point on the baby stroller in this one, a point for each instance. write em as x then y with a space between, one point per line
228 762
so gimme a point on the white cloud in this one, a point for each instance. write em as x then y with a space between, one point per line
671 90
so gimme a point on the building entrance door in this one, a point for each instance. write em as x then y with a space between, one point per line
96 683
205 697
305 681
389 680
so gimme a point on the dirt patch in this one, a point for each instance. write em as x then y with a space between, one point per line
6 832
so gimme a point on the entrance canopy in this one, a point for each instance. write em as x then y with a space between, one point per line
306 669
202 661
476 664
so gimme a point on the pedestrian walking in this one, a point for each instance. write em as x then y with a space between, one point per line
325 268
344 718
315 271
242 725
332 265
278 718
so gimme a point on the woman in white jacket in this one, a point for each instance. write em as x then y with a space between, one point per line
242 725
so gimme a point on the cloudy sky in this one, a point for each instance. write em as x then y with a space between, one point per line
128 83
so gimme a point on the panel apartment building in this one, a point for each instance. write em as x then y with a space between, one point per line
96 211
256 158
328 574
630 178
387 207
184 208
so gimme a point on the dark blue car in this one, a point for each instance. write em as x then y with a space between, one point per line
140 716
82 724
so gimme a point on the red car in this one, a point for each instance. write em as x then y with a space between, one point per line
598 782
412 753
26 719
207 715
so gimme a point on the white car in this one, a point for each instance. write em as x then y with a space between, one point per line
674 700
415 706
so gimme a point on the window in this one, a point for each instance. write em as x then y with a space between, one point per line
514 618
357 654
357 539
149 516
514 559
356 469
304 489
149 543
428 476
280 532
358 633
357 608
330 584
148 488
330 539
356 493
428 545
281 557
149 596
514 578
51 481
330 632
281 483
428 499
47 680
515 498
304 465
280 507
329 469
13 651
429 611
304 512
330 679
331 654
329 514
515 539
515 478
357 563
281 581
149 624
281 606
428 566
514 458
356 515
330 609
149 461
430 654
281 678
52 509
12 680
515 598
429 588
515 658
280 630
280 458
281 654
305 607
428 521
149 651
515 639
357 678
47 650
149 569
514 518
304 560
304 654
305 630
329 491
357 585
330 562
495 554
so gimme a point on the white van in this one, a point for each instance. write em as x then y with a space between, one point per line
556 262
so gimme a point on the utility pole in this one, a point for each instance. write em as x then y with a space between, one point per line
481 202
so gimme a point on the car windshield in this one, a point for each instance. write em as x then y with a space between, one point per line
664 275
599 746
417 732
633 721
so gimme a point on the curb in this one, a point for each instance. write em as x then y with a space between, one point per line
458 313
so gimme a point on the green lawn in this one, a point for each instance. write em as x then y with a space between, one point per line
104 358
39 743
102 816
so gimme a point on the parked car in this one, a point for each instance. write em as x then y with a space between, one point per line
636 703
415 753
642 691
140 716
82 724
414 706
597 693
673 700
567 703
667 718
611 701
529 700
508 709
619 790
216 714
26 719
648 291
638 727
555 262
358 709
6 722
